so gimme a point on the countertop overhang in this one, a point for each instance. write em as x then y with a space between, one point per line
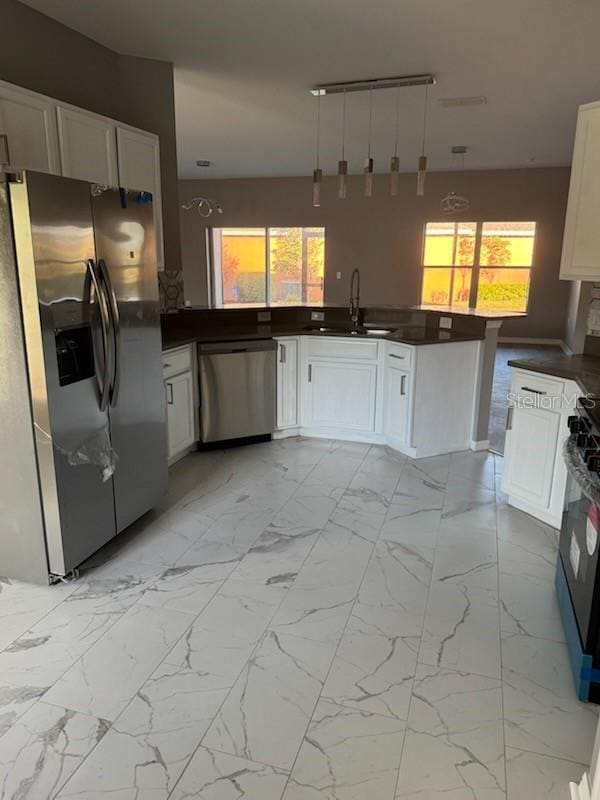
412 335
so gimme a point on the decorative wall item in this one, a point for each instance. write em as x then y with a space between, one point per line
203 205
363 86
452 203
170 289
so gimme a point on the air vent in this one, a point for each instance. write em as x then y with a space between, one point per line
457 102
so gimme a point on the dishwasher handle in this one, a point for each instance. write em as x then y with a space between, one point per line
226 348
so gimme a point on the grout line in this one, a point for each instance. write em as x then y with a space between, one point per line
264 633
344 629
426 605
135 602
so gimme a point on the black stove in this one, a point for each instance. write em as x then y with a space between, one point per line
578 568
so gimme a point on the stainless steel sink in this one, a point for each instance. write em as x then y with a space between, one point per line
359 332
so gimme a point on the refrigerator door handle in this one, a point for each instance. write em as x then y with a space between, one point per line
100 299
116 330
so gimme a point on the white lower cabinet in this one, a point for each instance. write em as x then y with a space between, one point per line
535 476
341 396
419 400
180 390
287 383
397 389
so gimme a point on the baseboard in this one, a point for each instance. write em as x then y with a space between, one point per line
530 340
538 513
483 444
286 433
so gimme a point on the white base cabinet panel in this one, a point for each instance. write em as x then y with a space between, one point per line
535 475
287 383
179 374
419 400
340 395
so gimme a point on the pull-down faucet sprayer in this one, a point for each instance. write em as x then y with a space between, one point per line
354 308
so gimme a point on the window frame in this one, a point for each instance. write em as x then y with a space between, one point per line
215 268
476 267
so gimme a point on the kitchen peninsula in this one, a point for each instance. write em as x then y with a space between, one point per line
382 381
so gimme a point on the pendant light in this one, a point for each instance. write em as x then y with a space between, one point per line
369 161
343 164
395 162
318 172
422 165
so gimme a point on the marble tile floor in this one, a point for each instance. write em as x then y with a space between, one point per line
300 619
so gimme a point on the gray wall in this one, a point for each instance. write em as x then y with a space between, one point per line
578 307
383 235
45 56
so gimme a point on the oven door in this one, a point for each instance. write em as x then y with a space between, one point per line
579 550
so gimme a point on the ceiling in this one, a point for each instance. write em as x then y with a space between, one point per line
243 71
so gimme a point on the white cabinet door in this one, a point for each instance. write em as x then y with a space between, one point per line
530 454
396 405
28 121
88 147
581 242
341 395
139 168
287 383
180 412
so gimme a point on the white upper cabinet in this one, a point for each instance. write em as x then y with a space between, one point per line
28 121
139 168
88 148
581 243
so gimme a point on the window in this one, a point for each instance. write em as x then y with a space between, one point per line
268 266
483 265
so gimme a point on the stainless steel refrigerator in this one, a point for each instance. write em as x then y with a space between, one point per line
83 449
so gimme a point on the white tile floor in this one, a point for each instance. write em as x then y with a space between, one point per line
301 619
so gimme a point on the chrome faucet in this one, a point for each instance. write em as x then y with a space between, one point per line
354 308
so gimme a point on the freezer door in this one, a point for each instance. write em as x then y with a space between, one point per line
125 246
65 328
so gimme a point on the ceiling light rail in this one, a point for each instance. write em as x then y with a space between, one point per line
372 84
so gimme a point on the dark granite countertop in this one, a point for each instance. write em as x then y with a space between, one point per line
415 334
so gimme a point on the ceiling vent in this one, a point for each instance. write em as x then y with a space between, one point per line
457 102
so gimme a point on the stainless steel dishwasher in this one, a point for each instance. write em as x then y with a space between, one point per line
237 389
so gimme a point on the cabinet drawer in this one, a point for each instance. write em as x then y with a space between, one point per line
342 348
542 390
177 360
399 355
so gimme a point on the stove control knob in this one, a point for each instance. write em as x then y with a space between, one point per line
584 441
577 424
593 463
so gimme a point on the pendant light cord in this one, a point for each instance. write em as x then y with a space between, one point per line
424 120
397 120
344 128
370 118
318 127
